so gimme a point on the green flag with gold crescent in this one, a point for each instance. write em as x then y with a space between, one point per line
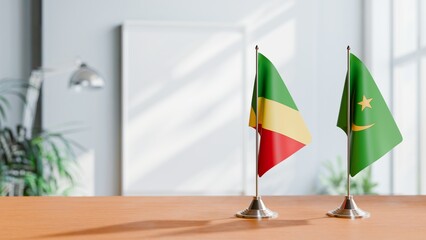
373 130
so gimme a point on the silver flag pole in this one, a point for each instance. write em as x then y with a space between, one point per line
257 208
348 209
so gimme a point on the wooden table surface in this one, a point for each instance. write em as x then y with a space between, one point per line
300 217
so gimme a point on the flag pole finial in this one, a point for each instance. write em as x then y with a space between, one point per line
257 47
348 48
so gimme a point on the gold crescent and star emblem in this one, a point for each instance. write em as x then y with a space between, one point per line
365 103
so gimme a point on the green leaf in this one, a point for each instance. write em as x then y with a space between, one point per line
30 180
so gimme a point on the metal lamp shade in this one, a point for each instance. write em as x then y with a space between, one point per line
86 77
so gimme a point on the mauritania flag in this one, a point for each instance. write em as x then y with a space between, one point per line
373 130
281 127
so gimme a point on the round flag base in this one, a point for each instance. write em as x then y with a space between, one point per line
348 209
257 209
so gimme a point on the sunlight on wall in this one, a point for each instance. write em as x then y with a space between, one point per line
265 13
283 40
185 137
405 33
213 45
188 98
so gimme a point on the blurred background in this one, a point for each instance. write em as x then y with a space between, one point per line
171 114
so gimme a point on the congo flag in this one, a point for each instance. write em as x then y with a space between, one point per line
281 127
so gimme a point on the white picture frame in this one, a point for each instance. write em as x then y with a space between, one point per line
172 145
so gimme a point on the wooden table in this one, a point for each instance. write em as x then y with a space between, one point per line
301 217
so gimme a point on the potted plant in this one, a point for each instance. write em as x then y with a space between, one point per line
333 180
33 166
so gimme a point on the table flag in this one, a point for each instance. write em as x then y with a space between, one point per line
373 130
281 126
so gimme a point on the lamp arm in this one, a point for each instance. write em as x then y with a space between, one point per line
31 99
84 76
48 72
33 93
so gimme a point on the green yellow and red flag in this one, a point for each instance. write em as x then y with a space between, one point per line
280 125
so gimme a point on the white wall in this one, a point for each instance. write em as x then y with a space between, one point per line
398 75
15 48
306 40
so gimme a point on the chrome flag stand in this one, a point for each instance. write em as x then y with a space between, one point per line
348 209
257 208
